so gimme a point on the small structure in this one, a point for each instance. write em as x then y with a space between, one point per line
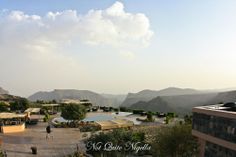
84 102
33 115
33 110
54 108
113 124
12 122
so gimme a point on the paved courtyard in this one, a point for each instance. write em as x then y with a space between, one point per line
64 142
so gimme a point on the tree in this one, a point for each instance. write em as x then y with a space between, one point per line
137 111
175 141
149 117
21 104
3 107
54 101
123 109
171 114
73 112
188 119
118 137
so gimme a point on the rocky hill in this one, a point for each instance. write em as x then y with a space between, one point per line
59 94
224 97
147 95
183 104
180 104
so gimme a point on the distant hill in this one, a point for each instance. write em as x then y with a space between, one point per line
147 95
224 97
116 100
3 91
180 104
183 104
60 94
9 98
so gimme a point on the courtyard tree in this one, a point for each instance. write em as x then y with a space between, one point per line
73 112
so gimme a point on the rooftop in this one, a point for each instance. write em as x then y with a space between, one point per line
227 110
7 115
50 105
33 110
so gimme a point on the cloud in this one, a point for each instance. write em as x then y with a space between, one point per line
112 26
44 42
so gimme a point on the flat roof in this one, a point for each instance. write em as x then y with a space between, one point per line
116 123
33 110
8 115
215 110
50 105
122 121
108 122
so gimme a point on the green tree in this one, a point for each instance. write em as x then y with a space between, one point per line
20 104
175 141
54 101
73 112
118 137
188 119
123 109
167 120
3 107
150 117
46 117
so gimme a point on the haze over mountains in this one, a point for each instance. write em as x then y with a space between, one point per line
176 100
147 95
95 98
170 99
183 104
108 99
177 103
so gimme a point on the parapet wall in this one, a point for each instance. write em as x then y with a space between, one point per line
13 128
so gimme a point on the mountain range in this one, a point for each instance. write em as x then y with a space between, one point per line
95 98
147 95
171 99
183 104
176 100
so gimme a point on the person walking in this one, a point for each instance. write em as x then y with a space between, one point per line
48 130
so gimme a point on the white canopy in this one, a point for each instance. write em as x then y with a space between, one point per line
32 110
7 115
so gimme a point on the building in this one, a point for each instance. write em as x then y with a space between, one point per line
12 122
215 128
33 115
84 102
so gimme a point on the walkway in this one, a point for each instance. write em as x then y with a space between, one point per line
64 142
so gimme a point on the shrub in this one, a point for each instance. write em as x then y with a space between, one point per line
138 111
89 128
175 141
46 117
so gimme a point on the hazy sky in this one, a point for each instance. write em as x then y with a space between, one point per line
116 46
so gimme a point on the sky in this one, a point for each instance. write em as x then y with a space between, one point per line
116 47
